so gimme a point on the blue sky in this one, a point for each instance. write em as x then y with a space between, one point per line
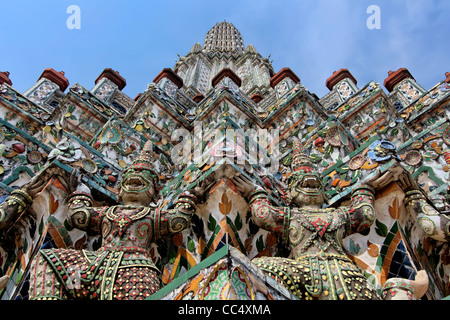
140 38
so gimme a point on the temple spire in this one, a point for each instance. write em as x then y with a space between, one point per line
224 37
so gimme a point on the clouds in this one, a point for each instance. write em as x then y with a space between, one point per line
416 39
335 36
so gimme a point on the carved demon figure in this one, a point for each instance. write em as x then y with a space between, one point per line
317 267
122 268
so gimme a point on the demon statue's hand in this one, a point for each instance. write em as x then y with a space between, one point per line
201 187
381 180
244 185
407 183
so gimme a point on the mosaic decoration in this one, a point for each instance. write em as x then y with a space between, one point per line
42 92
221 286
408 90
313 234
122 268
345 90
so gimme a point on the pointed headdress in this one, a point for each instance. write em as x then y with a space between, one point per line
145 159
301 165
300 161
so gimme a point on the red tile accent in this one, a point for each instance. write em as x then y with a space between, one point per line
283 73
226 72
171 75
337 76
198 97
256 97
113 76
396 77
4 78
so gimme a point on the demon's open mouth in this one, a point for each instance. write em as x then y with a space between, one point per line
309 184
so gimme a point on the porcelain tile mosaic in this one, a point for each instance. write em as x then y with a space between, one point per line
224 180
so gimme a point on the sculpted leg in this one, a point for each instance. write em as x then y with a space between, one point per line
312 278
135 283
58 274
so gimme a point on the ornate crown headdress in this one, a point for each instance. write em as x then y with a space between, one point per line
300 161
301 167
144 160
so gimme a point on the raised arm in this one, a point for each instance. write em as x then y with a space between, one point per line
174 220
361 213
434 224
266 216
82 215
13 206
20 199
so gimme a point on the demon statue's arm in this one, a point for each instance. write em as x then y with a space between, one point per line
174 220
177 219
266 216
361 213
20 199
82 215
433 223
13 206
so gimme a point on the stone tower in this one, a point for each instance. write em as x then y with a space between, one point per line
224 37
348 135
223 47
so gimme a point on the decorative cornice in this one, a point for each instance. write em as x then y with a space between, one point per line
113 76
4 78
283 73
171 75
226 72
338 76
55 77
396 77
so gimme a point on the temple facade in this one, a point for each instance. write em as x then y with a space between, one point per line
297 196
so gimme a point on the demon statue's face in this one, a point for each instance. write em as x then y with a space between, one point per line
140 182
306 188
305 184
